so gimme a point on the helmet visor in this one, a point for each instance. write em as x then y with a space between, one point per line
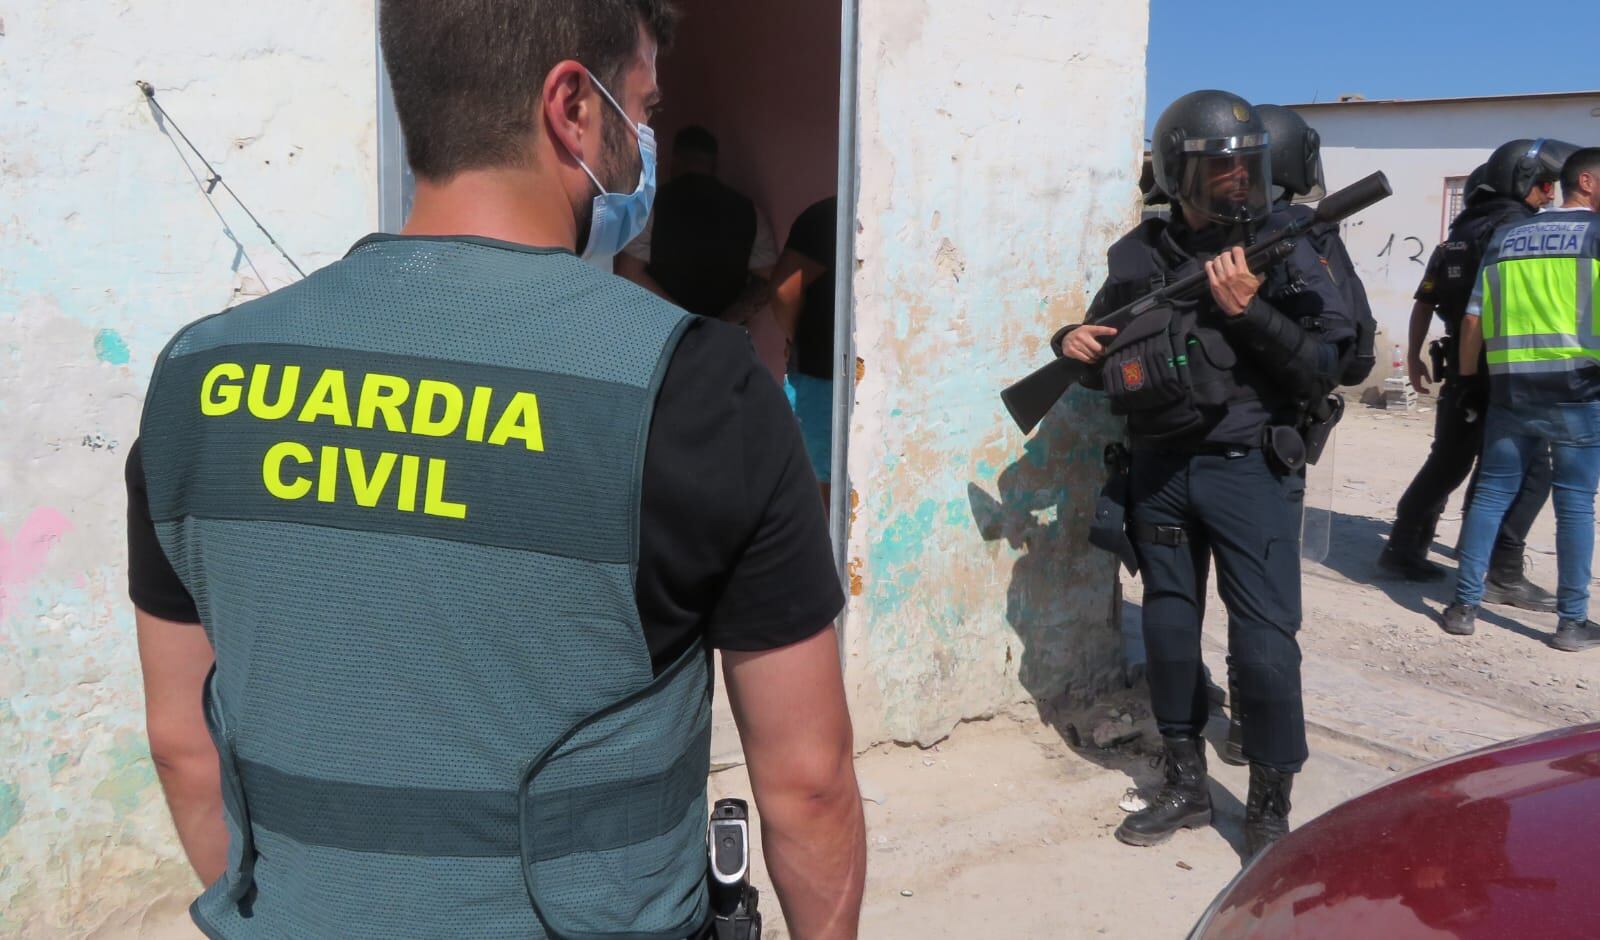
1229 185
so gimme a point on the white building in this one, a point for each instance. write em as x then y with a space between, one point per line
965 243
1427 147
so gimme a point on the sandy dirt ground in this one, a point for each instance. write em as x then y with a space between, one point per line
1005 829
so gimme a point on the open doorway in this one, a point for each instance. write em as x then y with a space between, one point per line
772 82
763 79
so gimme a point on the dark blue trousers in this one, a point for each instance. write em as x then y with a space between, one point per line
1241 511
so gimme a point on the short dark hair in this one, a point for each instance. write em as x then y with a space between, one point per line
468 74
1584 161
695 139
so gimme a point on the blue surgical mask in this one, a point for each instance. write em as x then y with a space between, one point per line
618 218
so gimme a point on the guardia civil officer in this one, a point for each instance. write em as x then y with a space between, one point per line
458 519
1517 180
1214 395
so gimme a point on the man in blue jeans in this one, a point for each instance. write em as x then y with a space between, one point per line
1534 309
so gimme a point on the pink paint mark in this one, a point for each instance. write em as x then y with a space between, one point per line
22 558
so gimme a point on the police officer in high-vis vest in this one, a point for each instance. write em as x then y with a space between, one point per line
1517 180
443 535
1214 473
1536 314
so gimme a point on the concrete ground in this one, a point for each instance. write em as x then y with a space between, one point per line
1004 829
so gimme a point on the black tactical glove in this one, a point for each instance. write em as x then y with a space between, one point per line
1473 399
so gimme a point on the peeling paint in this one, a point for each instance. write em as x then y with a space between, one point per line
109 348
10 806
972 584
119 251
128 775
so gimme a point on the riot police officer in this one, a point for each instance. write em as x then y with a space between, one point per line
1518 179
1297 175
1213 470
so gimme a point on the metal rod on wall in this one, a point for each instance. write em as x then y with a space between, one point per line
844 369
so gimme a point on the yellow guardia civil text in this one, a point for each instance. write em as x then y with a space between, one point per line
424 408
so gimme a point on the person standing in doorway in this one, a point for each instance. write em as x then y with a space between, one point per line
1534 312
429 550
803 300
705 240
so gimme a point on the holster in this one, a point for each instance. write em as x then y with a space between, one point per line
1109 531
1318 426
1439 354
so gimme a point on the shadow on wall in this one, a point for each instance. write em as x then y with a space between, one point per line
1063 596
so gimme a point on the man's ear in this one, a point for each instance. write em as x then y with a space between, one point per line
565 105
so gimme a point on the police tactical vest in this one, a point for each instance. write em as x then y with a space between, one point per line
1172 372
404 494
1461 255
1538 301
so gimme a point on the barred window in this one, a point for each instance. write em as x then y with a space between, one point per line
1454 201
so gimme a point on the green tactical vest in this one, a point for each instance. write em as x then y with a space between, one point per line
1538 300
404 494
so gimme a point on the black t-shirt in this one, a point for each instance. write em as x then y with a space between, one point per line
733 542
814 235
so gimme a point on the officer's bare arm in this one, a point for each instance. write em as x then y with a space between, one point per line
789 704
175 658
1471 344
793 273
1421 322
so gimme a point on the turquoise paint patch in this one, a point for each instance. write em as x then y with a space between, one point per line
894 556
10 806
957 511
109 347
987 470
58 761
132 774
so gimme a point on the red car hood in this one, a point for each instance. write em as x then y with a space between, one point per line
1500 843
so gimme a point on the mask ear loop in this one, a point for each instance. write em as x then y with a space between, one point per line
625 119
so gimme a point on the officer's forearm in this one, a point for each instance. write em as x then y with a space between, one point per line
193 788
1296 358
815 848
1421 322
1471 344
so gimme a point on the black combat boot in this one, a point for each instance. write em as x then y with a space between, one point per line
1407 553
1266 810
1575 636
1508 584
1232 752
1460 619
1184 801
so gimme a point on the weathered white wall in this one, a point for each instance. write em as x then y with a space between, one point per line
1419 145
106 248
999 148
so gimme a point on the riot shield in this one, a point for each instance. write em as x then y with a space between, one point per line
1316 510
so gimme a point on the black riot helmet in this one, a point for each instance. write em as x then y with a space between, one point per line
1476 187
1210 153
1296 154
1517 166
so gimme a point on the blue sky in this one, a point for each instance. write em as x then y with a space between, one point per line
1288 52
